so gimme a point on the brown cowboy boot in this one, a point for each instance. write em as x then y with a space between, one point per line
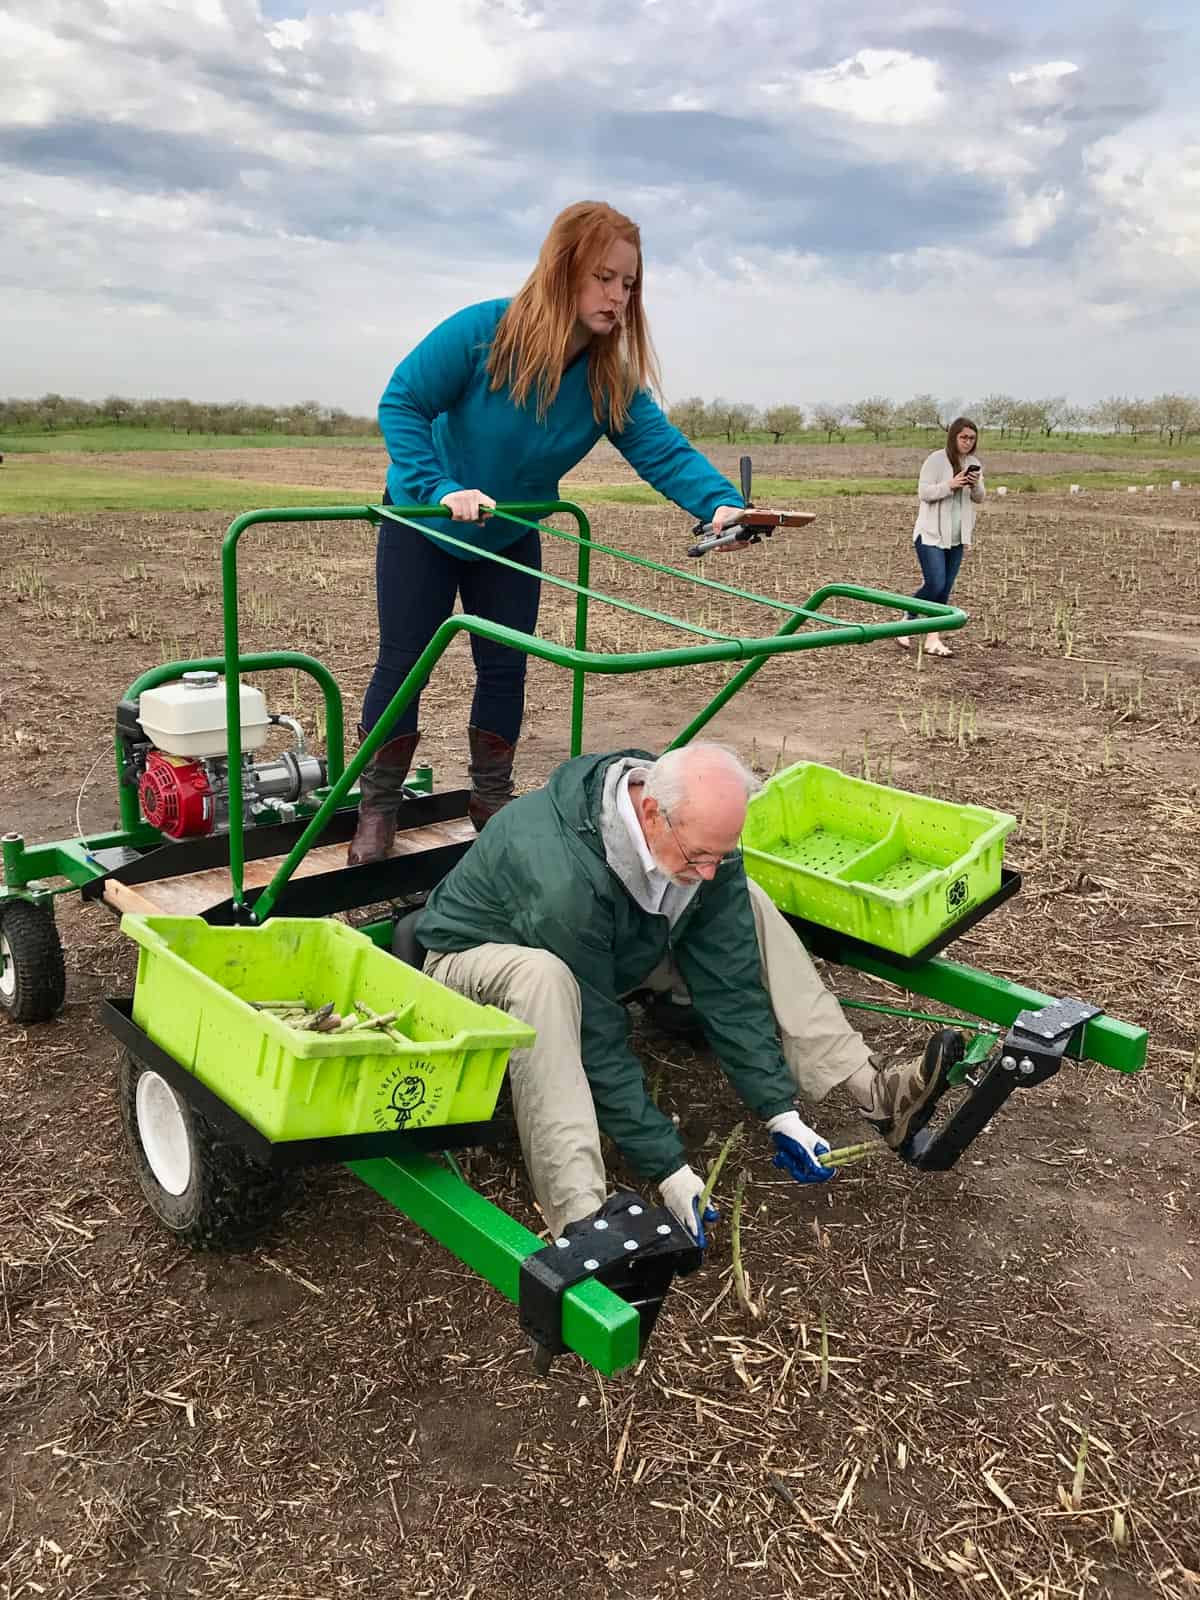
490 772
381 788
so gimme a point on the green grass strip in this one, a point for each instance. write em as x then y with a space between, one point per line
29 489
768 490
96 441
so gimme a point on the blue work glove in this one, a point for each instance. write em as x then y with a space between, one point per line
681 1195
797 1147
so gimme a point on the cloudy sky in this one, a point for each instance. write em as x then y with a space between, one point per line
274 199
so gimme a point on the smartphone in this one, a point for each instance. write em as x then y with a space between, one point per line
973 470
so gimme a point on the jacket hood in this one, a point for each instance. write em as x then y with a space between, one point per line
576 791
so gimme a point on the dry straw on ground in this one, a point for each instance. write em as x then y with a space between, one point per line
346 1409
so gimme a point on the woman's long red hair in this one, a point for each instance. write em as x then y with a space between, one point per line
529 350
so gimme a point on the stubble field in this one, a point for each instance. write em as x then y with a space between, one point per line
345 1409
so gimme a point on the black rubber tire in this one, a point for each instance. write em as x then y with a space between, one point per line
33 983
230 1198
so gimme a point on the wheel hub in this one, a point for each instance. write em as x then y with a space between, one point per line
163 1132
8 970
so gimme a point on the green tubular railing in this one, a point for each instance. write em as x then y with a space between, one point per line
577 659
232 665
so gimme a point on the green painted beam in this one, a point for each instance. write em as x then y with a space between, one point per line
72 859
1106 1040
597 1324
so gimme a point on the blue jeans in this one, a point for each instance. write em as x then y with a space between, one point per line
416 582
939 568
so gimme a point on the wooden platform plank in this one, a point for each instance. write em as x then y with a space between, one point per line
194 893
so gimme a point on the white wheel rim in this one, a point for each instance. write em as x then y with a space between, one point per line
8 970
163 1132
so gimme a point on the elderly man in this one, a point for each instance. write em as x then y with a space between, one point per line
625 869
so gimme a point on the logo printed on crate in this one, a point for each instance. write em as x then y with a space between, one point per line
956 895
407 1098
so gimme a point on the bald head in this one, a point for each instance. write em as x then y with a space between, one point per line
701 791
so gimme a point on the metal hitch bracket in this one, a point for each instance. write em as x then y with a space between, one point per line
1030 1052
633 1249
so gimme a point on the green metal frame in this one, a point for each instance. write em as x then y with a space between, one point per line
597 1323
577 658
1105 1040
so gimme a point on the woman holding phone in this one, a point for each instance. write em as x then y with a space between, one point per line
950 487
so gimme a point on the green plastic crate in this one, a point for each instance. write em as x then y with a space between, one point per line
892 868
193 993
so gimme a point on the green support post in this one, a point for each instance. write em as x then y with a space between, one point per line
232 663
12 854
582 578
597 1324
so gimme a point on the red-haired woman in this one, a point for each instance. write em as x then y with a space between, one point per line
496 404
949 489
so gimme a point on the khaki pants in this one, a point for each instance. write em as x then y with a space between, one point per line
556 1120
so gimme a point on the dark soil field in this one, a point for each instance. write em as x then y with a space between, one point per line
361 471
346 1409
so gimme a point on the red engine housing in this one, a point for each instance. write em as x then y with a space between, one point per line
176 796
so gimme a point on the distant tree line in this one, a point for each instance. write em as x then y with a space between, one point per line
57 413
1172 417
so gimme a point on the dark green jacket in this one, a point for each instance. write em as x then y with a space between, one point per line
537 876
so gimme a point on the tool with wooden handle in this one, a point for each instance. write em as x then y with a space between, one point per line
751 526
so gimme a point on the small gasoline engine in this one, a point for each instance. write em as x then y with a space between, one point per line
175 740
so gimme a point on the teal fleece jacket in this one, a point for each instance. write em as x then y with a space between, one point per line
538 876
446 429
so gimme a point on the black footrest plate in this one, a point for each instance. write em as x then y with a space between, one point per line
634 1249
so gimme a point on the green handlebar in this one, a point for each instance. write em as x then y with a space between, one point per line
709 646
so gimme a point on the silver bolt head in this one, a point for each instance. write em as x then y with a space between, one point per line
562 1243
631 1244
1025 1066
600 1224
635 1211
1009 1063
591 1265
664 1227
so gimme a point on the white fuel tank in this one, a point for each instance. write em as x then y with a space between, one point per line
187 717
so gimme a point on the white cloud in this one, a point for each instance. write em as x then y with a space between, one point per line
1048 72
292 33
1034 215
274 191
1145 206
885 86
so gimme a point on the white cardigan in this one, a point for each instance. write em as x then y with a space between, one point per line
933 515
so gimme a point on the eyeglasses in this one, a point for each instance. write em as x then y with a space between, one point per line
697 861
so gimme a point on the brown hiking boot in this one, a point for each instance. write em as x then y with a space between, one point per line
381 789
904 1095
490 771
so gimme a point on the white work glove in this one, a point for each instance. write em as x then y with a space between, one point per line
797 1147
681 1195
